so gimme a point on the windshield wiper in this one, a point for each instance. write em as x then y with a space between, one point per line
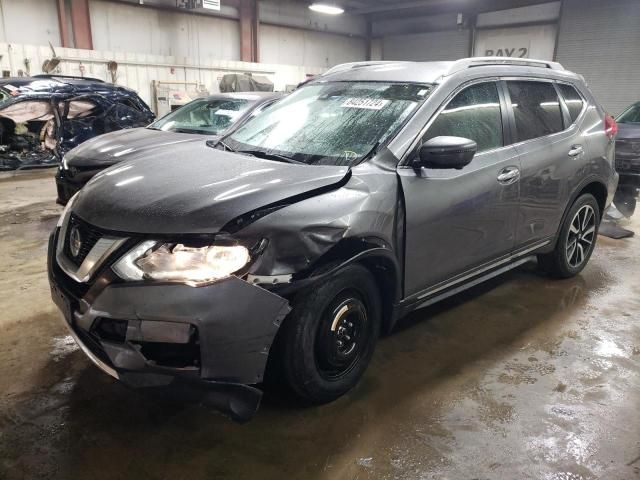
215 143
270 156
193 131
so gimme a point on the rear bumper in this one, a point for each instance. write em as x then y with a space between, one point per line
628 164
155 335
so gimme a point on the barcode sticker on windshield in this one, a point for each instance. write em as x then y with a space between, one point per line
368 103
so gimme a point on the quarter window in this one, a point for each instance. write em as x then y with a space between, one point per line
573 100
536 108
474 113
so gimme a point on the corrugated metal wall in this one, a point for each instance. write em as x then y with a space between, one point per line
601 40
444 45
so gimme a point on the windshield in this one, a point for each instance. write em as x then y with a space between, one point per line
631 115
203 116
336 123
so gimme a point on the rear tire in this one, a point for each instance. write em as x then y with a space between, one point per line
330 335
576 240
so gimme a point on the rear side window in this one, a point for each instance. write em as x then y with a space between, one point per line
473 113
573 100
536 108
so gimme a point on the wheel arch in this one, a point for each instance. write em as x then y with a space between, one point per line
593 185
377 257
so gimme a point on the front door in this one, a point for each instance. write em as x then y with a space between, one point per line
460 219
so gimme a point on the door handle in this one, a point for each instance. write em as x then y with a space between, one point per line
576 150
509 175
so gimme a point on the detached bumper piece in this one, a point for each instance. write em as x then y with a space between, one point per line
213 340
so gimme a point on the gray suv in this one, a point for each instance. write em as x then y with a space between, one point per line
290 245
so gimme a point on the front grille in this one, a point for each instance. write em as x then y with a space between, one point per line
89 235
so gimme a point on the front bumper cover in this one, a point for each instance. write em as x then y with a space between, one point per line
236 324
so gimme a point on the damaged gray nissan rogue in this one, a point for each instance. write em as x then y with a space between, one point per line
291 244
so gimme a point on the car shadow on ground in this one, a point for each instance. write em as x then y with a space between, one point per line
89 425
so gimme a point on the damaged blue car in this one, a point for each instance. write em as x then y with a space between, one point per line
44 116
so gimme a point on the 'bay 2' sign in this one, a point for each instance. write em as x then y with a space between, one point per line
521 52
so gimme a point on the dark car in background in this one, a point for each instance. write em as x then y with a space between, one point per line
44 116
203 118
628 143
290 244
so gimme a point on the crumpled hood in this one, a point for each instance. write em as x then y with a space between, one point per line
193 188
114 147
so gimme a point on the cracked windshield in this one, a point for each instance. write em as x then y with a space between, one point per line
337 123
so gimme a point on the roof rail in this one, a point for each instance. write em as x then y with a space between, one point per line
70 77
465 63
349 66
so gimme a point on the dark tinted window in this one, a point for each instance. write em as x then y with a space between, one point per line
536 108
473 113
573 100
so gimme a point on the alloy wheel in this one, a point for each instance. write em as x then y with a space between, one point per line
581 237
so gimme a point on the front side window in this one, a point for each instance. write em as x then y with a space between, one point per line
334 123
209 117
573 100
536 109
630 115
474 113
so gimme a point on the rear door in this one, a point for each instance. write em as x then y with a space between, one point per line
551 150
460 219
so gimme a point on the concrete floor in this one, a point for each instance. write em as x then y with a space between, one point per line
522 378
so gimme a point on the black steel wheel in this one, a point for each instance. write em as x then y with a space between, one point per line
330 335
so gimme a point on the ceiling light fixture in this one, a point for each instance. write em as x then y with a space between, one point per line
326 8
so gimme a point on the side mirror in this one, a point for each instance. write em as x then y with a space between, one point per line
446 152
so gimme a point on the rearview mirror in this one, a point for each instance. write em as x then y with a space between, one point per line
446 152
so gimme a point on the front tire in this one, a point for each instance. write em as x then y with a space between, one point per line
330 335
576 241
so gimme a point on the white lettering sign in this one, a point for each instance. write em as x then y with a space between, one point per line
367 103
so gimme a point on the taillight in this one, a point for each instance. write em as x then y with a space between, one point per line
610 126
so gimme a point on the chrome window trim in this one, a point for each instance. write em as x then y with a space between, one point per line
585 102
573 126
527 78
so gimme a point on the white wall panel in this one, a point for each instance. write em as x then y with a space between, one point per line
137 70
291 46
126 28
29 21
432 46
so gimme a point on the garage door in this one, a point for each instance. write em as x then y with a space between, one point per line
522 42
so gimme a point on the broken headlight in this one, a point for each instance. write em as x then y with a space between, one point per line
195 266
